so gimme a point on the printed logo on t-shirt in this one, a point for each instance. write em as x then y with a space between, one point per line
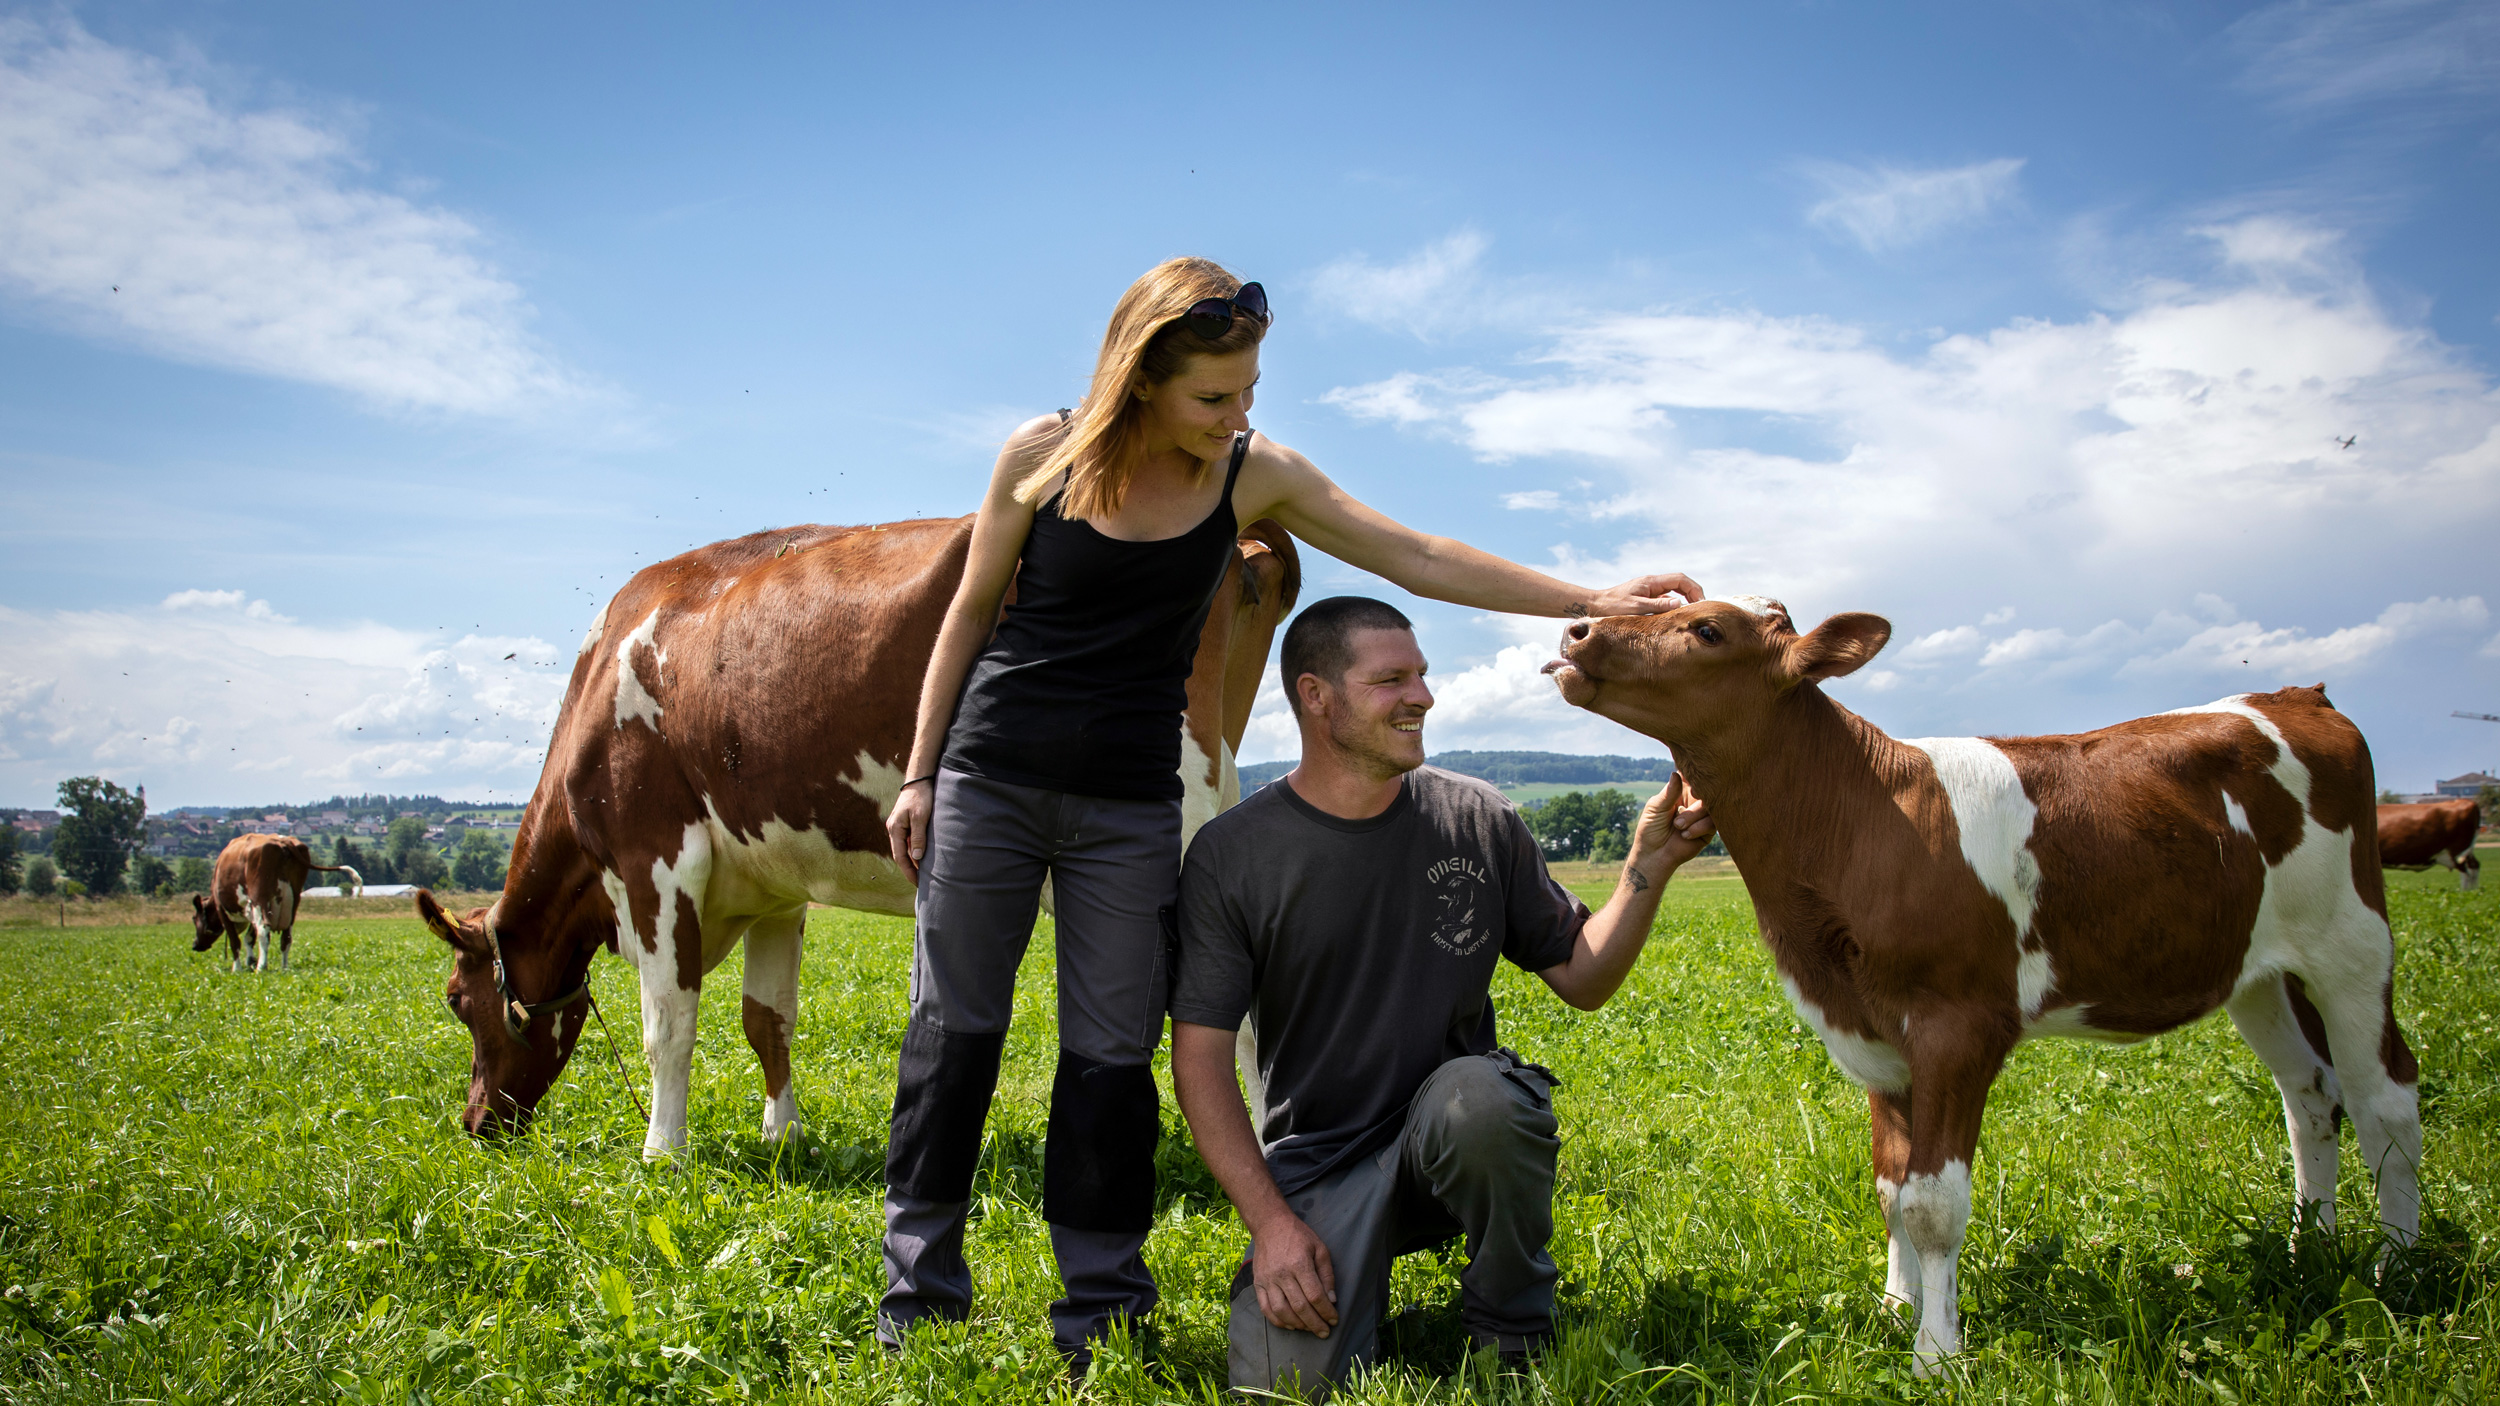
1460 922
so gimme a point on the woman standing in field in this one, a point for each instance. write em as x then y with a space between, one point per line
1053 750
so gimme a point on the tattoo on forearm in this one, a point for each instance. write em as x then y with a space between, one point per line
1635 879
1577 610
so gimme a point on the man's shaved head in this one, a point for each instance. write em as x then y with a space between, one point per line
1321 639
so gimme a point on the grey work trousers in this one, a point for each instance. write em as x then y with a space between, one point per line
1477 1156
1114 867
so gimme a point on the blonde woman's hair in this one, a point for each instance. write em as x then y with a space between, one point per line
1148 342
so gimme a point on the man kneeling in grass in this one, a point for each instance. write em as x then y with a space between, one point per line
1355 911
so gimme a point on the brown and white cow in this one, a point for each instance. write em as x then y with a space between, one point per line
2432 832
729 747
254 889
1932 903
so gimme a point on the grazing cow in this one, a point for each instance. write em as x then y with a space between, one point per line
253 890
730 745
2416 836
1930 904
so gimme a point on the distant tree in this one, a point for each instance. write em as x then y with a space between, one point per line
478 862
102 828
2489 800
412 860
191 874
11 874
151 875
1569 825
2389 798
41 877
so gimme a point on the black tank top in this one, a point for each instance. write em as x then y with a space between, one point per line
1083 687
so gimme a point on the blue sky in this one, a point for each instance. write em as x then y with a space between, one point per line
344 350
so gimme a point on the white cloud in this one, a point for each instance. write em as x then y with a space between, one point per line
138 208
1434 290
2107 480
2275 244
2309 55
1883 207
1534 500
208 698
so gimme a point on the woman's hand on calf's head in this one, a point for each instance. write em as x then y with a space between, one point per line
1645 595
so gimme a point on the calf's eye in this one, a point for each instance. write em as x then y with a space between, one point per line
1709 633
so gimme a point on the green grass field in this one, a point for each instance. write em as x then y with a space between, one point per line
222 1188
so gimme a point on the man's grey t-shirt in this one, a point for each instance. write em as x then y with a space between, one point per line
1362 950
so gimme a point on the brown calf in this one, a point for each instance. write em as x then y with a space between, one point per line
1931 904
254 889
729 747
2417 836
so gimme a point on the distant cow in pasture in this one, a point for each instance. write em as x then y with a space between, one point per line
252 892
2432 832
1930 904
729 748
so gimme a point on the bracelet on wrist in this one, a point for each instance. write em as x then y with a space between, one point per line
932 776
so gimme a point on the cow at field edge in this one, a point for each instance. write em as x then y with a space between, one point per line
1931 904
254 889
2417 836
729 747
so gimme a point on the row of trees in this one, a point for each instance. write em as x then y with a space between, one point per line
1585 825
95 850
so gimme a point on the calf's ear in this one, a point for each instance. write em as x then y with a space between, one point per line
445 926
1838 646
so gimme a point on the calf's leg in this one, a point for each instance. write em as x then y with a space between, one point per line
1891 1118
2279 1023
1950 1073
770 1009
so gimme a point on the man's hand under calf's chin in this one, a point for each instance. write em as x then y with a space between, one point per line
1673 827
1295 1280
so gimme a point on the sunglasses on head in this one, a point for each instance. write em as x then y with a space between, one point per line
1213 317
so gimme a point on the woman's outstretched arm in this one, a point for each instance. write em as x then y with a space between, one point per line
1279 483
998 535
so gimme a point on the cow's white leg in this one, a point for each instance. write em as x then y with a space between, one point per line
668 1020
1901 1274
770 1010
2312 1095
2383 1104
1889 1114
256 943
671 963
286 925
1933 1212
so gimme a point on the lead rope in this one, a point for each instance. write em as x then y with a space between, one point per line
621 1076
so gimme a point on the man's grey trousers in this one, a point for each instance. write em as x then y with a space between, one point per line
1477 1156
1114 866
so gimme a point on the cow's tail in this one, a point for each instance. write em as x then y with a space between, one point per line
348 870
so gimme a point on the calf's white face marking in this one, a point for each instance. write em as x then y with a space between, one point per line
1995 820
632 699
